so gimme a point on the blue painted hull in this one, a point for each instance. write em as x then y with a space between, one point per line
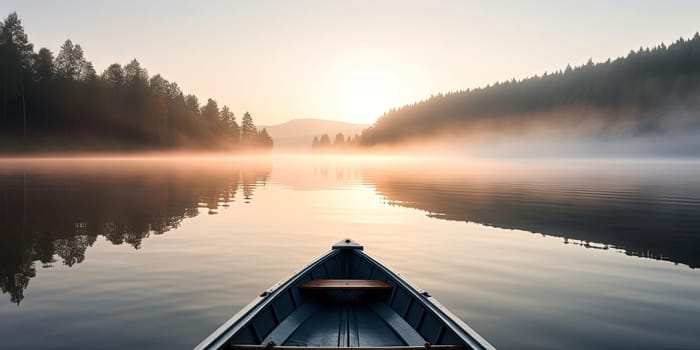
287 315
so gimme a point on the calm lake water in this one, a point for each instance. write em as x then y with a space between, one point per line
156 253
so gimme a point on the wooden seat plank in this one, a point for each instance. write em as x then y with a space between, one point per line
345 284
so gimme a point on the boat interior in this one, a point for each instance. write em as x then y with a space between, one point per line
345 300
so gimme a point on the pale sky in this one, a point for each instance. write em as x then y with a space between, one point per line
348 60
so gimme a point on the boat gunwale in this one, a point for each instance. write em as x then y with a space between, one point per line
223 333
427 346
468 335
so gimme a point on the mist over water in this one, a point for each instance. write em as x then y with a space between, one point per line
537 139
531 253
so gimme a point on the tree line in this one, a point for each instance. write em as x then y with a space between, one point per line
339 143
61 103
647 92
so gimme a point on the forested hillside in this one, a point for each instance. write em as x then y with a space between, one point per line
649 92
60 103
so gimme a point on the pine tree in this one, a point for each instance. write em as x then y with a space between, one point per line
15 56
229 120
325 141
210 111
134 74
114 75
339 140
248 130
70 63
42 65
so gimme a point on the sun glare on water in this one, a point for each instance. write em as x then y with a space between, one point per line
366 95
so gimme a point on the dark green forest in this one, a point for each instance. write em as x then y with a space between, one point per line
649 92
60 103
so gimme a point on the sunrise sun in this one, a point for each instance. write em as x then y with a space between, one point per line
365 95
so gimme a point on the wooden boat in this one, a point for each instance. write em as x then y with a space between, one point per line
344 298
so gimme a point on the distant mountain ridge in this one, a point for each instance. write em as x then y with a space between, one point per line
297 134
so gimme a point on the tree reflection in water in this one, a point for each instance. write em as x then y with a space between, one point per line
644 210
55 209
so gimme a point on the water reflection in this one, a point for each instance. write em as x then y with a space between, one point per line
644 209
55 209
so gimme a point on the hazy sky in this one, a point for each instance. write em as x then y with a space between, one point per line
348 60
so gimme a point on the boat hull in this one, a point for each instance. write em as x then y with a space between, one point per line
287 314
